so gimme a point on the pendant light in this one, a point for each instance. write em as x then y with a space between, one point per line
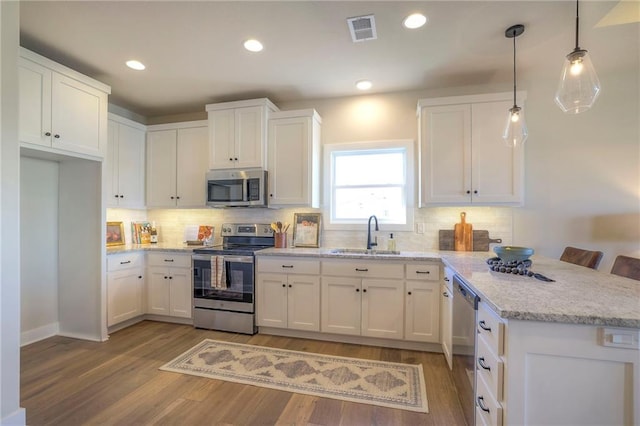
515 132
579 85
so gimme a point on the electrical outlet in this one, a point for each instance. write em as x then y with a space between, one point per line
420 228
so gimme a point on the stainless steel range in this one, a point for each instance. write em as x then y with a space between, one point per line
224 278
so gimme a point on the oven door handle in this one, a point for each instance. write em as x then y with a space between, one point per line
238 259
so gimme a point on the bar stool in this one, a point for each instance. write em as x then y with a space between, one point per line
626 266
587 258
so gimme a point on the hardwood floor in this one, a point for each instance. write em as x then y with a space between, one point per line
73 382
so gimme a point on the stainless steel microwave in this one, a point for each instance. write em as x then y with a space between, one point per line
237 188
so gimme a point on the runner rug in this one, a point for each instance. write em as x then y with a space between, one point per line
379 383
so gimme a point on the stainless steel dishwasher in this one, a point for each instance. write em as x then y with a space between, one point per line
465 308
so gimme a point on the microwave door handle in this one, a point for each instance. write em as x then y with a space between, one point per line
245 190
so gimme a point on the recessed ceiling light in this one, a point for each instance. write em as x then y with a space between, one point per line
363 85
253 45
415 20
136 65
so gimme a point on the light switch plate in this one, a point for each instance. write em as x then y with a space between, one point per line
620 338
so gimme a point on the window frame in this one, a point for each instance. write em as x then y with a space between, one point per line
404 144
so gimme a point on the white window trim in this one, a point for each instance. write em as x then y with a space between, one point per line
407 144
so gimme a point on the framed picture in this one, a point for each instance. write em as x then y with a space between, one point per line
306 229
115 234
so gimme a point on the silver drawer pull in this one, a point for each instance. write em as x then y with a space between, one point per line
483 325
481 404
362 270
482 364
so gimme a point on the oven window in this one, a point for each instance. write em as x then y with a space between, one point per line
235 284
226 190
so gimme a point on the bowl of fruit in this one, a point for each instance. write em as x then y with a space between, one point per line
510 254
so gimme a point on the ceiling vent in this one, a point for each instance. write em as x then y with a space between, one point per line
362 28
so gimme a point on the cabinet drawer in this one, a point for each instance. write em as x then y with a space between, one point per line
423 272
355 268
118 262
490 367
288 266
169 259
488 410
491 328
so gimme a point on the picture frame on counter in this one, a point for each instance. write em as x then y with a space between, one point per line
115 234
306 229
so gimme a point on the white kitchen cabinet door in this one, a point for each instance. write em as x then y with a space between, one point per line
423 311
341 305
383 308
161 168
78 116
293 158
35 103
180 292
463 159
158 291
445 169
250 137
303 302
124 295
222 139
271 300
125 164
497 170
191 166
446 315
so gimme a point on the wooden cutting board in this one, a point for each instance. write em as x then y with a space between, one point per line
463 235
481 240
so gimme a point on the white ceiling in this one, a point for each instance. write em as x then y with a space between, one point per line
194 54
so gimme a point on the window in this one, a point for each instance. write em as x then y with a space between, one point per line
370 178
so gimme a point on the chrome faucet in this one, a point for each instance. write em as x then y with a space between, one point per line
369 243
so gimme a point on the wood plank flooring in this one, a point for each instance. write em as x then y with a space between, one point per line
73 382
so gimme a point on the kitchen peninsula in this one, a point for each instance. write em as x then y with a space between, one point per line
565 351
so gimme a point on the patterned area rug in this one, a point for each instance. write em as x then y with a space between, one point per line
379 383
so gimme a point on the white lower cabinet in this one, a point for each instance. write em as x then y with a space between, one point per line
364 298
125 283
169 289
422 310
543 373
288 293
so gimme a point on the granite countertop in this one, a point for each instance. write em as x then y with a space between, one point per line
161 247
329 253
578 295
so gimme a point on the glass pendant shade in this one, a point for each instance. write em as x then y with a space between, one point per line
579 85
515 131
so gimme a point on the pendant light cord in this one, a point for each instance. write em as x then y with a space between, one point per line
577 25
514 68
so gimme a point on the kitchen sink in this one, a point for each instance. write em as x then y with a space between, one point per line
362 251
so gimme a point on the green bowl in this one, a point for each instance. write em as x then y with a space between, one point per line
511 253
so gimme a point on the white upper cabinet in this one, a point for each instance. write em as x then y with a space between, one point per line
125 163
294 158
238 133
61 110
177 164
463 158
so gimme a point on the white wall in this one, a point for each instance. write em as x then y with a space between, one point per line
10 411
39 246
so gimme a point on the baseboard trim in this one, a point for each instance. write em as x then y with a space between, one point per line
18 417
358 340
40 333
